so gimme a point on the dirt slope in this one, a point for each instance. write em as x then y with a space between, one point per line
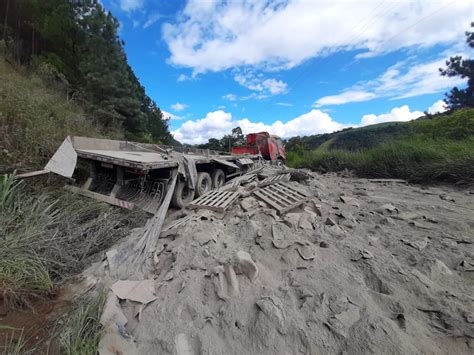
362 268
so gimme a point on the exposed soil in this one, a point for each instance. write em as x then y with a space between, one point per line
34 324
363 267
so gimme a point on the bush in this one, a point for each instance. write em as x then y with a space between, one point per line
416 159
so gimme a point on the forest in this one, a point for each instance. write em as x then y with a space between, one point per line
73 45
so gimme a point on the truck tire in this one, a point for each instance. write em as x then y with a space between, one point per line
182 195
218 178
203 184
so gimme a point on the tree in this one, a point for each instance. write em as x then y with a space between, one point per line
464 68
237 136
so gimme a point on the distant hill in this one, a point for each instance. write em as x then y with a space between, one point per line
371 136
437 147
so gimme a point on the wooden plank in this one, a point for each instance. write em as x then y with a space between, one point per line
99 197
31 174
147 242
179 222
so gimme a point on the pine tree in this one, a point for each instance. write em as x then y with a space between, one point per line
464 68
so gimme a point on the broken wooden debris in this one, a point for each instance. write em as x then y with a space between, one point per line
31 174
274 179
215 200
148 240
239 180
99 197
281 196
180 222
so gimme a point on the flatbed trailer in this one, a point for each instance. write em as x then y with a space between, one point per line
130 174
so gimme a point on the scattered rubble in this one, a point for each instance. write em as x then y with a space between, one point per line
350 267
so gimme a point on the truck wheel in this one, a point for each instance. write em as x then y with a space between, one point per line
280 162
218 178
204 184
182 195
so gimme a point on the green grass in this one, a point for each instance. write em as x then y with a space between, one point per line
47 237
82 330
438 149
15 342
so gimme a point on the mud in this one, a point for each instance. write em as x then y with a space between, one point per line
362 267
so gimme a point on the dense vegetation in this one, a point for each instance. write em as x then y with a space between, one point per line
75 43
424 150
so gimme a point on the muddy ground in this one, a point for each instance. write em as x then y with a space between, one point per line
363 267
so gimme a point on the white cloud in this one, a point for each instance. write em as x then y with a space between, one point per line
230 97
438 107
284 104
171 116
183 77
402 80
152 19
274 86
131 5
218 35
397 114
215 125
257 82
345 97
178 106
218 123
135 23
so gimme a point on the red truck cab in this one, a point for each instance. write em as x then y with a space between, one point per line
271 147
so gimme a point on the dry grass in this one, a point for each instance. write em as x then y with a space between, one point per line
35 119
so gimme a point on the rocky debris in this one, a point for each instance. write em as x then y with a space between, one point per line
330 222
324 244
306 252
388 207
447 197
273 310
417 244
247 265
137 291
359 267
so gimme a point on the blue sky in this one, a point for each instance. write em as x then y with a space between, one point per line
291 67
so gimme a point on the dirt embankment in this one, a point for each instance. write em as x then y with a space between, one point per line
362 268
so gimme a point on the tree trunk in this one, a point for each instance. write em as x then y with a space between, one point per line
5 22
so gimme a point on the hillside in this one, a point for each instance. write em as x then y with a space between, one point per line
435 148
35 118
74 49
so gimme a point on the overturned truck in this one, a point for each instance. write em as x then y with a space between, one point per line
129 174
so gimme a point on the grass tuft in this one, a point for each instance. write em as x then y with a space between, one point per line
82 330
47 237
